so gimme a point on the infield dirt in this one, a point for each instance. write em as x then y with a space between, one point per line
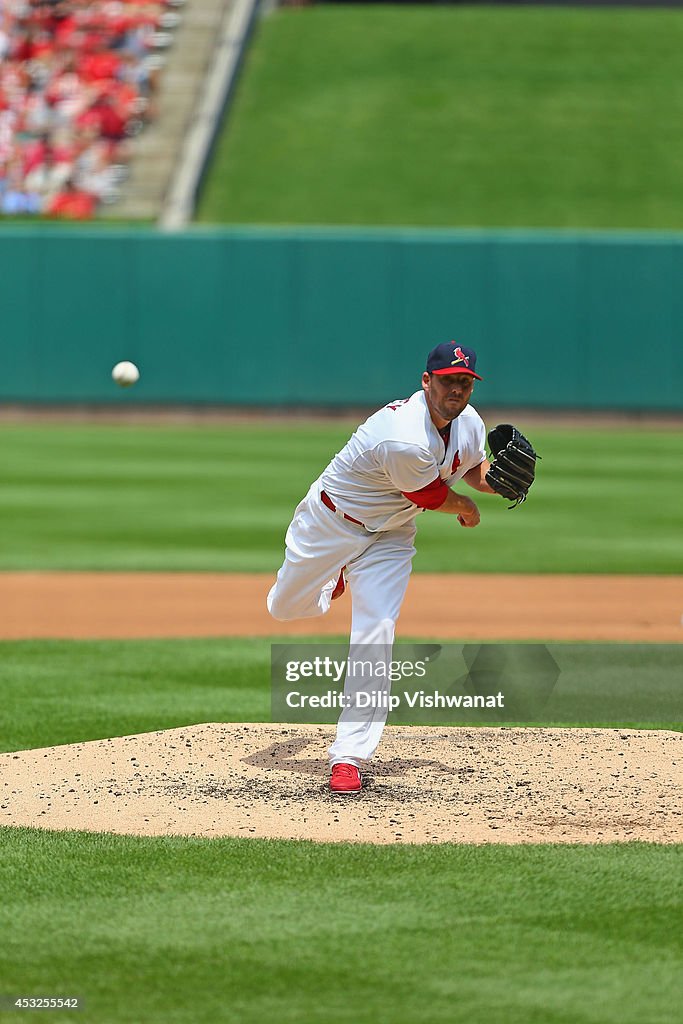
456 607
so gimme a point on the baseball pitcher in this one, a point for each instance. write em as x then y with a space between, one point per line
356 525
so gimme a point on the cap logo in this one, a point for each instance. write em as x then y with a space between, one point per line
460 357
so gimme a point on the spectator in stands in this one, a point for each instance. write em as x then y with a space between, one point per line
96 174
16 200
72 203
49 176
5 40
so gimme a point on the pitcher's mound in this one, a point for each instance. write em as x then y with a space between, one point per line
428 785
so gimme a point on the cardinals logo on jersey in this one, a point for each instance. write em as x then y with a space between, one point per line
460 357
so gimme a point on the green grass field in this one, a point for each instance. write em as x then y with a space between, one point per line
189 930
199 498
183 930
455 116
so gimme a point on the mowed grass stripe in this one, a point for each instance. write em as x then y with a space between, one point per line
69 691
461 116
220 498
188 930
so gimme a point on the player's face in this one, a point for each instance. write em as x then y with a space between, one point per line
447 393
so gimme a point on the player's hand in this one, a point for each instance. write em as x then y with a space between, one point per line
469 513
464 508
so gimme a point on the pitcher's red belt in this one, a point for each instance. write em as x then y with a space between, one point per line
327 500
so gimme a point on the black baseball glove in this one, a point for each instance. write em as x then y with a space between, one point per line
513 467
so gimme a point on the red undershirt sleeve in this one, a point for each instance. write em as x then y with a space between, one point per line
432 496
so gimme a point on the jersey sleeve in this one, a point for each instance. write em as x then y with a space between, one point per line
481 441
472 451
432 496
479 445
408 466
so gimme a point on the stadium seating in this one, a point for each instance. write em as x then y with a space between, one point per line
78 80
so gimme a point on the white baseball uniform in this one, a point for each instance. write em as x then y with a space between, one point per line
397 451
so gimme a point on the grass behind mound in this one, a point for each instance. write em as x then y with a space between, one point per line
455 117
66 691
186 930
220 499
70 691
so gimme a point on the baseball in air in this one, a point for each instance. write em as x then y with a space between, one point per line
125 374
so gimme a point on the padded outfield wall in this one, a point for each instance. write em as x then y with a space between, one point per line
340 317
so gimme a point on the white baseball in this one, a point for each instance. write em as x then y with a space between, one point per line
125 374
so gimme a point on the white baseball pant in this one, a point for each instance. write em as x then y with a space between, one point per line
318 543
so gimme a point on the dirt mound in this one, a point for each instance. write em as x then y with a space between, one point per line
428 785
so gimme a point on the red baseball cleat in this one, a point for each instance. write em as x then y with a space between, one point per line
341 585
345 779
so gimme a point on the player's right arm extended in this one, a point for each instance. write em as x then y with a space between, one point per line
462 507
438 497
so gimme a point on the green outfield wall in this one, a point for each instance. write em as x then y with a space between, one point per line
340 317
